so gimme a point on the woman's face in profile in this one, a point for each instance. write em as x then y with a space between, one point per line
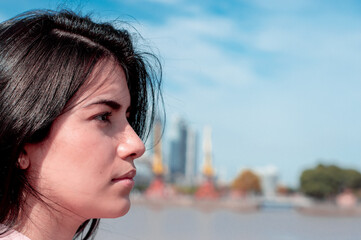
86 163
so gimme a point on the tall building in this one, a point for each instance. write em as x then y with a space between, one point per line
191 156
269 180
207 189
182 153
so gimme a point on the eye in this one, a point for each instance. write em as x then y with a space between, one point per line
104 117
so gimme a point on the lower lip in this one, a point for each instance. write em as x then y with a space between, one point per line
128 182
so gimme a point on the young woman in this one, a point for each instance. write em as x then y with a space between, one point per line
75 100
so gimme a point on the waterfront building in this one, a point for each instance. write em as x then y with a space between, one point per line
144 171
191 156
157 188
207 189
182 158
269 180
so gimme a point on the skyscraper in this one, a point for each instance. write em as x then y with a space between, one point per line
183 153
191 156
269 180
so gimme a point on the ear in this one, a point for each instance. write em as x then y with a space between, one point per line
23 160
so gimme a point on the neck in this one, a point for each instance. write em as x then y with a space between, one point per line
41 221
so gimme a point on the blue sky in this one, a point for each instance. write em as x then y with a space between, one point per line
279 81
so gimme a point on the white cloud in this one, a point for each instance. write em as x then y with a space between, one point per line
189 56
311 41
282 5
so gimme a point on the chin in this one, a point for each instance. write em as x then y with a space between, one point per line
118 210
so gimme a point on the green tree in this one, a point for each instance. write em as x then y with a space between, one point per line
327 181
351 179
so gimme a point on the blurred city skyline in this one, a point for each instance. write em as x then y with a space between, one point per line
278 82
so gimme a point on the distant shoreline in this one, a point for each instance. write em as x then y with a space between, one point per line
247 206
203 205
329 210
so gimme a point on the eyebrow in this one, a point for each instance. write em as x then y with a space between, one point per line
112 104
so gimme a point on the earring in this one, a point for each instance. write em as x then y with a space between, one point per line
23 161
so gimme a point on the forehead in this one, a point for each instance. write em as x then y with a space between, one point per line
107 80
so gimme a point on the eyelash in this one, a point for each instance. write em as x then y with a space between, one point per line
104 117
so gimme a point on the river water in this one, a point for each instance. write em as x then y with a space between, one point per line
145 223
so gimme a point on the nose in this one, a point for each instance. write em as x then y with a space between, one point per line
130 145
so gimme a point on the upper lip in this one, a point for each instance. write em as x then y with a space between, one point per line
128 175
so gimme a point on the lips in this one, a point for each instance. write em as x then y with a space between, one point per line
127 176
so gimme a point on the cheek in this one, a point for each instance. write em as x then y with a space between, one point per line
76 163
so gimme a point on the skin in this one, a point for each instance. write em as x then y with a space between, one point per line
85 168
